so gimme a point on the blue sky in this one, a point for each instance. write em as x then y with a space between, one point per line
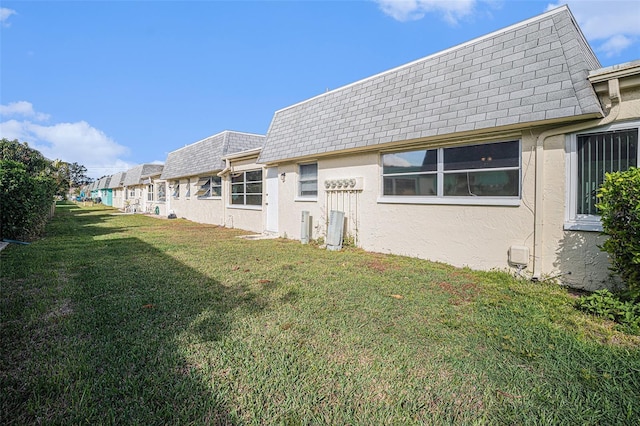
112 84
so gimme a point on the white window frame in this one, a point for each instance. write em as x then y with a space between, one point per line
440 172
187 193
572 220
208 181
245 206
301 180
150 192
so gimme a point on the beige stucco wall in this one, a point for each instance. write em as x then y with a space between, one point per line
574 256
571 256
118 198
216 210
461 235
209 210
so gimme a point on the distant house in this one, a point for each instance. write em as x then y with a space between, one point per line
487 154
104 191
211 181
116 184
93 190
154 193
135 188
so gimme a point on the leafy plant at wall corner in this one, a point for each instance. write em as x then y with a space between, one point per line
619 206
27 189
605 304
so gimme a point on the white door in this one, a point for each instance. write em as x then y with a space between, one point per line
272 200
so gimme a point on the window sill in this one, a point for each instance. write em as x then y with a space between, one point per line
458 201
306 199
243 207
208 198
588 226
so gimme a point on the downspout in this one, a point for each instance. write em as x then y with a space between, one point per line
227 168
538 211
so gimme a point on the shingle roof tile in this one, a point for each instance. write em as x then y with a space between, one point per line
205 156
134 176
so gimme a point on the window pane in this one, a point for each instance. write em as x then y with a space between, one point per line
238 178
491 155
254 176
216 191
411 185
237 199
309 185
308 171
216 180
598 154
308 182
237 188
254 200
503 183
254 188
410 161
162 191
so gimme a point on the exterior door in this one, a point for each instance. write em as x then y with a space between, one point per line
272 200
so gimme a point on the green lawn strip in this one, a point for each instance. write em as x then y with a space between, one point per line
130 319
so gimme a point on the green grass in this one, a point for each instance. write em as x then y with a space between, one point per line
122 319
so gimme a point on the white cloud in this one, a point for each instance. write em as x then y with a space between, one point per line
610 26
616 44
395 161
23 109
71 142
410 10
5 13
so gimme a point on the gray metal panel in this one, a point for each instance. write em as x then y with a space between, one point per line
205 156
532 71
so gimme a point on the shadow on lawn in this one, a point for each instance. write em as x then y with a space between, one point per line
121 333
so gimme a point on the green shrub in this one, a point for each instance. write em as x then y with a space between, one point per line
605 304
620 213
25 201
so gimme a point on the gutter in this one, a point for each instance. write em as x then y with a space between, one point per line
614 111
227 168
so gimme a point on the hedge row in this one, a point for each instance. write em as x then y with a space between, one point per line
25 201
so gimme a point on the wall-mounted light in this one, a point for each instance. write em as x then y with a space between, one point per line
283 175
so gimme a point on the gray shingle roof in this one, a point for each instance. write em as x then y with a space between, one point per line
532 71
103 183
116 180
134 175
205 156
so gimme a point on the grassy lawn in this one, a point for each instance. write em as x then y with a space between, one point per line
122 319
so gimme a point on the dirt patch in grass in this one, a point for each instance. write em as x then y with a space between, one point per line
62 310
380 263
460 294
